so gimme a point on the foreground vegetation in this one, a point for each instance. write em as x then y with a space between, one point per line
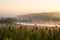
20 32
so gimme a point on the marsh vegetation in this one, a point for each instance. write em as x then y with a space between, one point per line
24 32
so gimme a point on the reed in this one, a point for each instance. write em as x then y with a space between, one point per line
24 32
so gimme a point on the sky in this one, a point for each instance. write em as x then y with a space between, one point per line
15 7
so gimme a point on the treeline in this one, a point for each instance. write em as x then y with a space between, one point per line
39 17
7 20
34 33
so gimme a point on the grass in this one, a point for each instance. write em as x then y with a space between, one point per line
24 32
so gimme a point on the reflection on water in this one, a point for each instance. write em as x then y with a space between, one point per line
39 24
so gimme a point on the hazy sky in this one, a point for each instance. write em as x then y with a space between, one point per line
28 6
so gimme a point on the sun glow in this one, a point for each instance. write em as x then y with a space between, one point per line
30 5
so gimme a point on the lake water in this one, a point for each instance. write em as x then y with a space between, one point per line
40 24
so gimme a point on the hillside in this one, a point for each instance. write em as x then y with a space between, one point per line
40 17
